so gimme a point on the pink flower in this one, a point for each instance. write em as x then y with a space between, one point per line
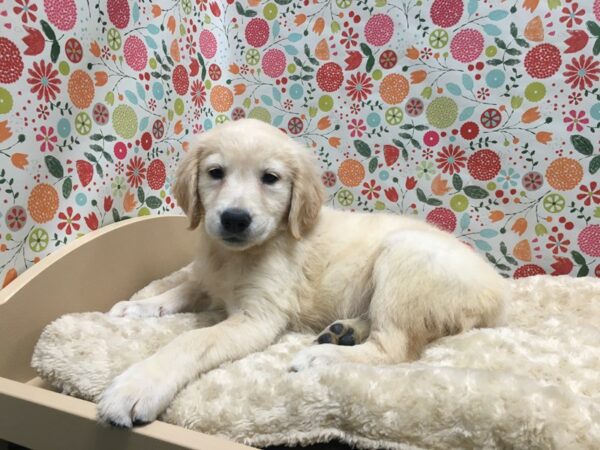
589 194
349 38
44 81
572 16
575 120
26 10
582 72
558 243
47 138
357 127
451 159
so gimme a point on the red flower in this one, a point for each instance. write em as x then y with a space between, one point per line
353 60
214 9
34 41
410 183
357 128
47 138
582 72
328 178
198 93
26 10
359 86
108 202
591 194
577 40
391 194
572 16
451 159
91 221
349 38
69 221
43 81
561 266
136 171
371 190
558 243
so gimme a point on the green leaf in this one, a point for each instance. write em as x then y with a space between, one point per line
593 27
503 248
96 148
502 267
54 51
500 43
48 30
96 137
513 30
54 166
365 49
583 271
370 63
404 154
140 195
115 215
513 51
596 49
362 148
91 157
283 2
476 192
99 170
457 182
512 260
582 144
522 42
153 202
66 187
434 202
490 258
595 164
578 258
109 138
421 195
373 165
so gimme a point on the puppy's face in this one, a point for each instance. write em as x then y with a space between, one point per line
248 181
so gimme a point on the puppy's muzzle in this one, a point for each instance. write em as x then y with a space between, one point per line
235 221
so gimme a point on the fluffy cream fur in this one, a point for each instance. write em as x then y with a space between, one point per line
531 384
298 266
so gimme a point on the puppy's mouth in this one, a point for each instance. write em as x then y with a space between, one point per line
233 239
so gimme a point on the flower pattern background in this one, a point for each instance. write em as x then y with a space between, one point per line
479 116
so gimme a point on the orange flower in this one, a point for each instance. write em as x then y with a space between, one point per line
171 24
299 19
412 53
95 49
531 115
417 76
178 127
495 216
10 276
254 2
520 226
101 78
19 160
175 54
334 142
530 5
3 247
5 132
543 137
156 10
324 123
319 25
239 89
129 201
234 69
439 186
186 146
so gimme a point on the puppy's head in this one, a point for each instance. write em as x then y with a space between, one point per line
247 181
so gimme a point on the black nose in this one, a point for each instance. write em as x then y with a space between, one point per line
235 220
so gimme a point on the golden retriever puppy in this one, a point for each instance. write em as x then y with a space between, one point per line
380 286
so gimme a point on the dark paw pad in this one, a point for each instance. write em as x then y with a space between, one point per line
337 328
347 338
325 338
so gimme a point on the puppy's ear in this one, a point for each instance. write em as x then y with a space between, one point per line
307 194
186 186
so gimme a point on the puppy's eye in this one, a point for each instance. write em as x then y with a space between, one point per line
269 178
216 173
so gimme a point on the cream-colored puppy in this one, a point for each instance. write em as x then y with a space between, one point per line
380 285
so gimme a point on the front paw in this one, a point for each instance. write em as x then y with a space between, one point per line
136 396
137 308
318 356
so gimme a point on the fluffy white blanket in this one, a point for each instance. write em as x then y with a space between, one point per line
532 384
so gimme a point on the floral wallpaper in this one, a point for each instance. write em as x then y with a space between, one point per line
480 116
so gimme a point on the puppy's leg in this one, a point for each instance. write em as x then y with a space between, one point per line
346 332
426 286
145 389
179 299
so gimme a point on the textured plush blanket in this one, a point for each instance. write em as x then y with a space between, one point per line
532 384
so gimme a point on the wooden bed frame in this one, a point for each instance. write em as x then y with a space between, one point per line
89 274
